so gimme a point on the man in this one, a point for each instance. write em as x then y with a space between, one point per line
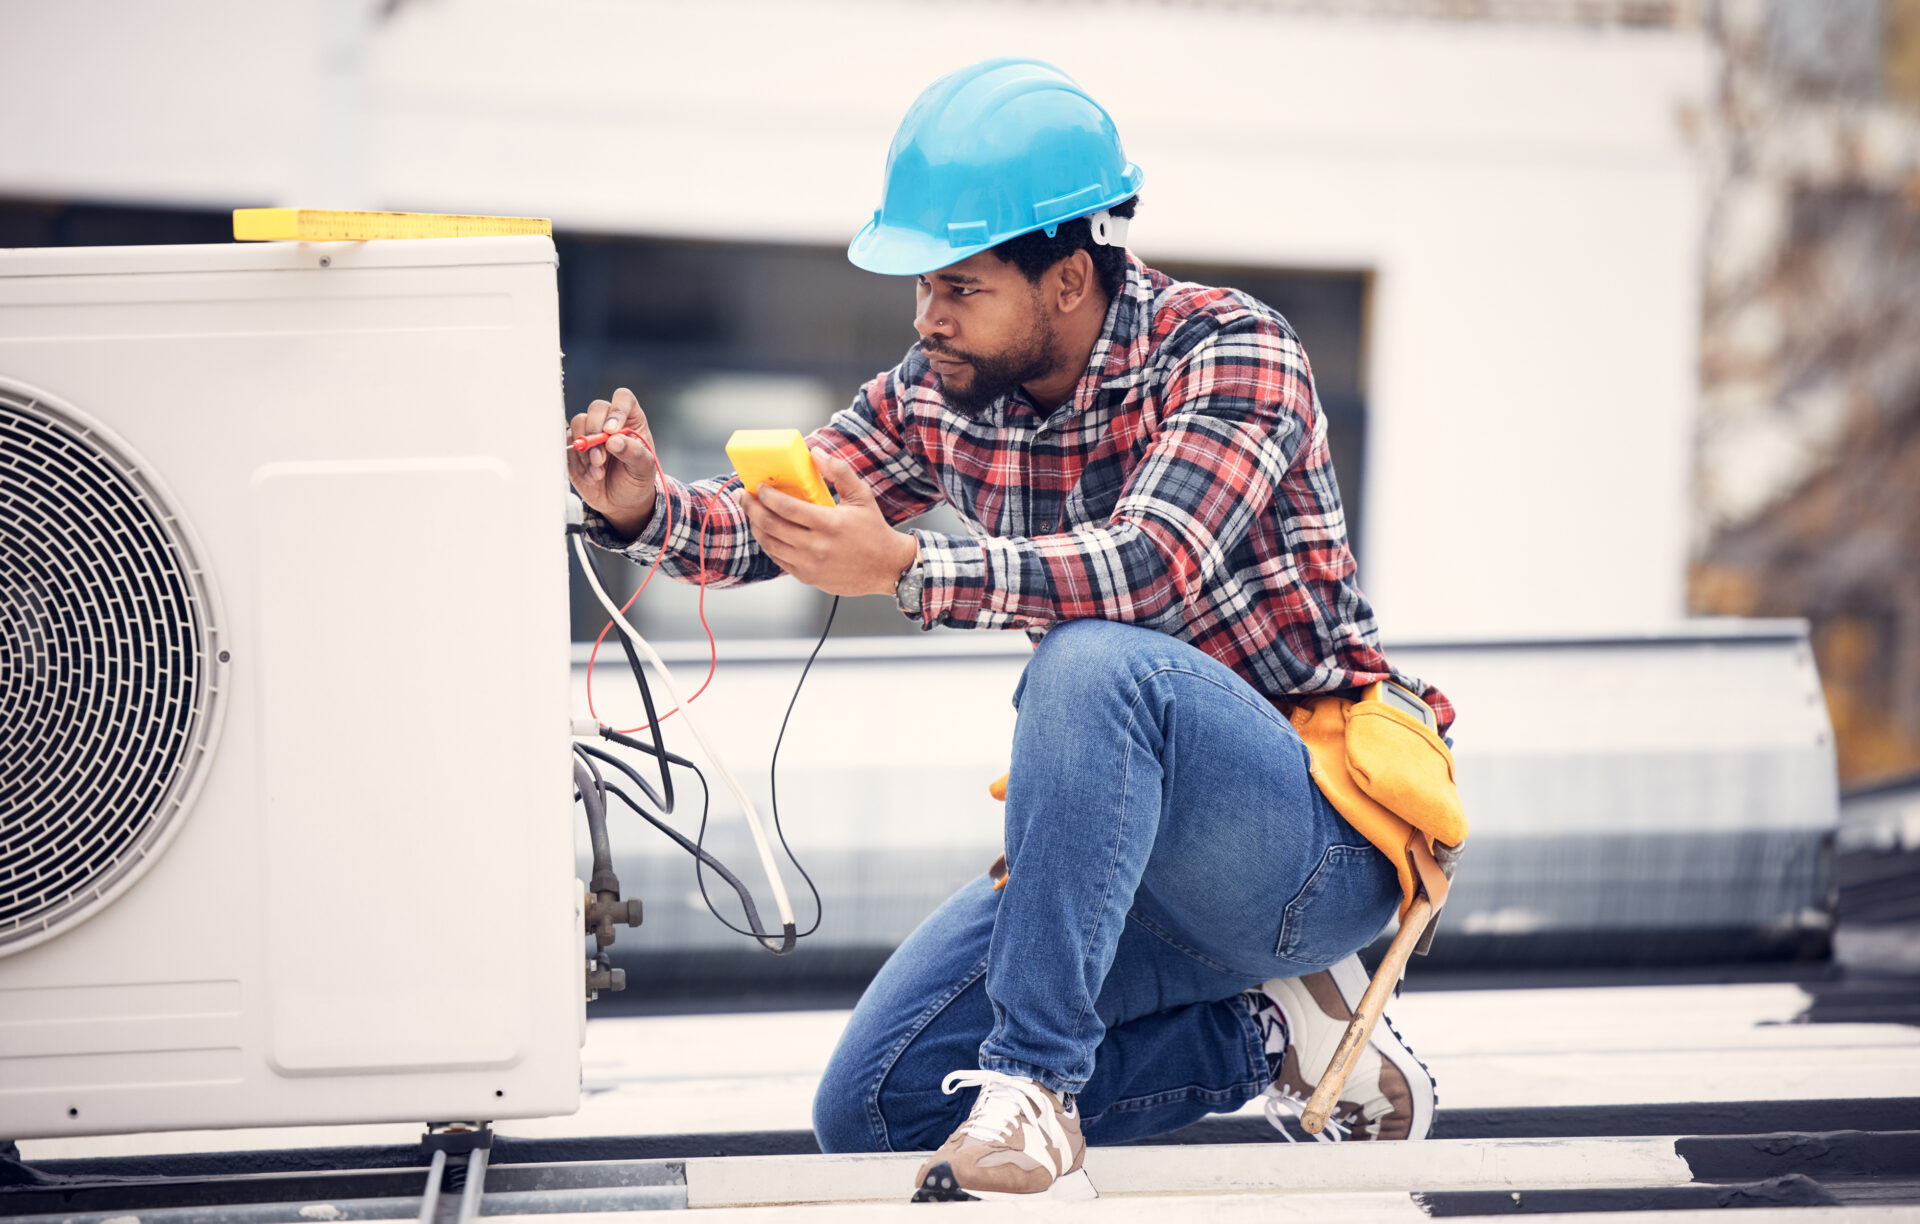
1144 469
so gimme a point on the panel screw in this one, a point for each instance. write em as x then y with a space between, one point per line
326 261
224 656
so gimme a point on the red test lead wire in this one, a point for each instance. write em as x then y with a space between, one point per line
713 649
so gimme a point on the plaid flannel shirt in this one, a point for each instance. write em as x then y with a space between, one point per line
1186 486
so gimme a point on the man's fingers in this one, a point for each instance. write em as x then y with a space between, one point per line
630 455
624 410
773 500
579 468
626 404
786 555
606 415
793 509
767 526
751 505
592 421
790 547
845 481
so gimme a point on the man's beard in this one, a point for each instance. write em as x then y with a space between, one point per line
999 375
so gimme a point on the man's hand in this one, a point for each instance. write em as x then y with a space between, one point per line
617 479
848 549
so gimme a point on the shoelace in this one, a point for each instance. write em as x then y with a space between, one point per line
1282 1101
1004 1099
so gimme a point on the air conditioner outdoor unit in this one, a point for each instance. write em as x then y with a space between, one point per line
285 797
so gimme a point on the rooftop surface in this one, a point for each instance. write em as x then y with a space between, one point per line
1582 1099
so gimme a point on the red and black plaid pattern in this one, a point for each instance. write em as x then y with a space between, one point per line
1186 486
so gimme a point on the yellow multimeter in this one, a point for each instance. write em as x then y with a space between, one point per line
777 457
1403 699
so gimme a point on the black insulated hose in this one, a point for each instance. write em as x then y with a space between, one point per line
594 796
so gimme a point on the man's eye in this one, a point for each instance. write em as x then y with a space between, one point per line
963 291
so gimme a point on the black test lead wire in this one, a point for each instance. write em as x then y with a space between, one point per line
657 749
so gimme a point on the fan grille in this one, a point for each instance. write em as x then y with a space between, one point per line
108 686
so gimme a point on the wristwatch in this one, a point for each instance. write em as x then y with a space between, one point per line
906 592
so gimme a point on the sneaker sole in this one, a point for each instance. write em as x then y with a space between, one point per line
1351 980
941 1186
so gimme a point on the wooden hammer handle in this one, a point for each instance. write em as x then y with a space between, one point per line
1372 1005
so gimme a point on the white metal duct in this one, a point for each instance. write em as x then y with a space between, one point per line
1655 798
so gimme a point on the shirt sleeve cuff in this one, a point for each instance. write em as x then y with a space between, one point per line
643 547
954 569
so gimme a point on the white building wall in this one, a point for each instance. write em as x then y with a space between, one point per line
1527 200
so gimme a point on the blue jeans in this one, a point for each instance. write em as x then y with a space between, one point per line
1167 851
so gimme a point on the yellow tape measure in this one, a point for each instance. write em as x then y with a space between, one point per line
338 225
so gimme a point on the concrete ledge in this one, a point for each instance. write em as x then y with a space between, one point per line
1457 1164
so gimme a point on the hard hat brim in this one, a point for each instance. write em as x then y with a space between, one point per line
894 250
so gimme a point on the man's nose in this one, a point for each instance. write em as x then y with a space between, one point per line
930 320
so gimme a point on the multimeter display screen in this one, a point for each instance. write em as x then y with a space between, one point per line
1398 697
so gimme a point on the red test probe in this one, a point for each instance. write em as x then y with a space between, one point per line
600 439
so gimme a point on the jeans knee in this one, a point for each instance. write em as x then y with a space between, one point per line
840 1122
1080 659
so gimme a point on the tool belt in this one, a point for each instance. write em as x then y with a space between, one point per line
1391 777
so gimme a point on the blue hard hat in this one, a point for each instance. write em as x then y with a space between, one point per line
987 153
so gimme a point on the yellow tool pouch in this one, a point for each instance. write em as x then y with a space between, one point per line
1391 778
1406 768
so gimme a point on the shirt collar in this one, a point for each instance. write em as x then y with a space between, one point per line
1119 356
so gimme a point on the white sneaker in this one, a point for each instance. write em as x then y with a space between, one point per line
1390 1093
1020 1142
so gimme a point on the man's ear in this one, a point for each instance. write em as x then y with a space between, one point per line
1076 282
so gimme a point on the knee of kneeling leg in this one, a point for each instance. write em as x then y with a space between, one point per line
840 1118
1080 653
